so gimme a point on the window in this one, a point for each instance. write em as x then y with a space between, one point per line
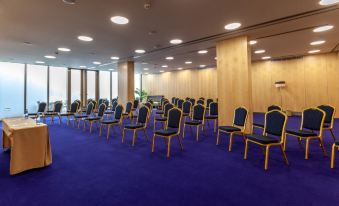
36 86
75 84
12 86
105 84
114 84
90 84
58 85
137 83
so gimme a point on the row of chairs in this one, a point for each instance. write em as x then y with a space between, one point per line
314 122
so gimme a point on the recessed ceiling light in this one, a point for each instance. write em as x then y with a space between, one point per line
328 2
202 65
161 71
140 51
50 57
176 41
85 38
314 51
215 58
169 58
119 20
317 42
39 62
232 26
202 52
111 69
64 49
266 57
252 42
146 69
82 67
115 58
323 28
188 62
260 51
69 1
164 66
144 63
97 63
180 68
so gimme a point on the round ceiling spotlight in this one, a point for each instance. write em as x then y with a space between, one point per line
188 62
115 58
202 65
39 62
328 2
140 51
69 1
82 67
97 63
252 42
260 51
119 20
232 26
317 42
176 41
266 57
50 57
169 58
323 28
314 51
202 52
63 49
85 38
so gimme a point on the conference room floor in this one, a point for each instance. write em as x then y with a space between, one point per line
89 170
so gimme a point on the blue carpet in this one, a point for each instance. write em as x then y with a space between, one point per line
89 170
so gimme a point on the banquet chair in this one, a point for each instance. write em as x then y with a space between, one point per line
238 126
56 112
202 98
192 101
163 117
270 108
141 124
161 111
41 110
186 109
335 147
135 105
273 135
111 111
213 115
97 118
208 102
128 110
70 113
117 121
172 129
329 118
201 101
81 116
173 100
180 103
312 124
198 119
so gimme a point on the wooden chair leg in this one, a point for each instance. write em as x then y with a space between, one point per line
134 136
108 130
153 143
100 130
183 132
218 137
266 157
123 136
246 149
307 148
284 154
333 156
197 135
90 126
332 133
322 146
215 126
230 143
180 142
168 147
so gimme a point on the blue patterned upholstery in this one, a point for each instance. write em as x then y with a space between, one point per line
198 112
240 116
312 119
274 123
174 117
142 115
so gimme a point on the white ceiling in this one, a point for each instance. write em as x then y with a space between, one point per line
283 28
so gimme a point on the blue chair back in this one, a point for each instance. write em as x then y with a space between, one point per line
214 108
198 112
102 109
174 118
313 119
329 110
240 116
274 107
186 107
275 123
118 112
143 115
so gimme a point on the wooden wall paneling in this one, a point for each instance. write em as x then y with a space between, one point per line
332 66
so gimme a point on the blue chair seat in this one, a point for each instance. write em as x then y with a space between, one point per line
78 116
326 125
134 126
301 133
67 114
211 117
164 132
262 139
261 125
109 121
193 122
93 118
161 119
229 129
109 112
51 113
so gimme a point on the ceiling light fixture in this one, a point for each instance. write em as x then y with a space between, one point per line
202 66
169 58
146 69
164 66
85 38
180 68
252 42
233 26
39 62
317 42
82 67
97 63
119 20
188 62
50 57
140 51
111 69
176 41
69 1
115 58
260 51
314 51
323 28
202 52
161 71
266 57
63 49
328 2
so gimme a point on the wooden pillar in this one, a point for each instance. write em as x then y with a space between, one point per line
234 79
126 82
